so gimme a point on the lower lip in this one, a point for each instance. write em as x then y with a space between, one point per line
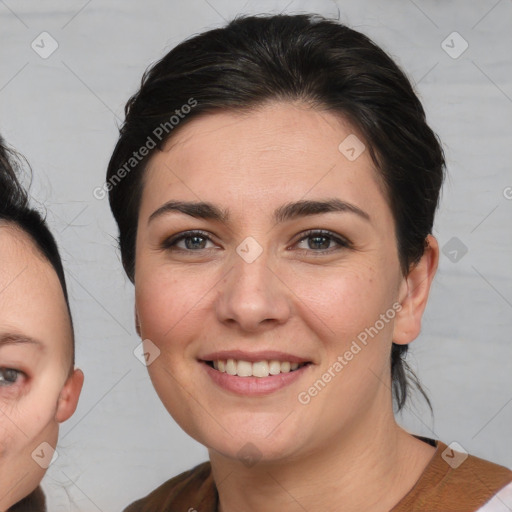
254 386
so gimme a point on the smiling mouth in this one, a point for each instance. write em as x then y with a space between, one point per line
263 368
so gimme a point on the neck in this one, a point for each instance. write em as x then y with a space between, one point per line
369 466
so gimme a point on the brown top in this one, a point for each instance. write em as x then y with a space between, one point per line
452 482
34 502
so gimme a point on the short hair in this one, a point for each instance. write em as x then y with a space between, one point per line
15 210
308 58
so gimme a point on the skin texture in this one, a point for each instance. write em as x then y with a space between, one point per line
344 446
45 393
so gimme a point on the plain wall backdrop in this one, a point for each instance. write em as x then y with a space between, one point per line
61 110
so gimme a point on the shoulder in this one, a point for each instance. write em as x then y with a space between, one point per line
455 481
193 489
470 473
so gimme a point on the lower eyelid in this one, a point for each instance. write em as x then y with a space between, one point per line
179 240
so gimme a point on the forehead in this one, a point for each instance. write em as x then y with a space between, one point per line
278 152
31 298
274 133
21 262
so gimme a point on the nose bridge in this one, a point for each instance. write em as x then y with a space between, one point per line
253 275
251 295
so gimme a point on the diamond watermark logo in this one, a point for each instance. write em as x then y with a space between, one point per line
249 454
45 455
249 250
146 352
351 147
454 249
454 455
454 45
44 45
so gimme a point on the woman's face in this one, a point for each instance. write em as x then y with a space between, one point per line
36 391
289 259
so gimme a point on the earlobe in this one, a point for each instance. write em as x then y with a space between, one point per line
413 294
69 395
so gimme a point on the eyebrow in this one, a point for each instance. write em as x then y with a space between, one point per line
303 208
7 338
288 211
200 210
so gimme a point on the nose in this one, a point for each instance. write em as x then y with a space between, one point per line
253 296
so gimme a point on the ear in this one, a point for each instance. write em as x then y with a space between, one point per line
413 295
137 322
68 398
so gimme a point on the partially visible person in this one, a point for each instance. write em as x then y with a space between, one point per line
39 384
279 238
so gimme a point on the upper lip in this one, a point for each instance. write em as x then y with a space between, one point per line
265 355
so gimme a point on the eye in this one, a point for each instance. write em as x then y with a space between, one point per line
188 241
9 376
321 241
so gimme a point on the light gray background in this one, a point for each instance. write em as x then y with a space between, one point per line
62 112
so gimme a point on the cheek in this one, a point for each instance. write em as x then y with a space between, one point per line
33 416
29 416
20 433
8 437
168 302
346 300
19 447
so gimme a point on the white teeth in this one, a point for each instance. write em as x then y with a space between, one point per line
231 367
275 367
244 369
260 369
257 369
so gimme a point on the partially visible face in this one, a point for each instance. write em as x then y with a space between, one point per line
35 361
271 284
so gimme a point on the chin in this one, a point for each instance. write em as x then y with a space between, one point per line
250 453
251 446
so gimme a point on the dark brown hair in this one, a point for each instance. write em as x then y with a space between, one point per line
15 209
255 59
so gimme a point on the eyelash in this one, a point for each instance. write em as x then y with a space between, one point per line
170 243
